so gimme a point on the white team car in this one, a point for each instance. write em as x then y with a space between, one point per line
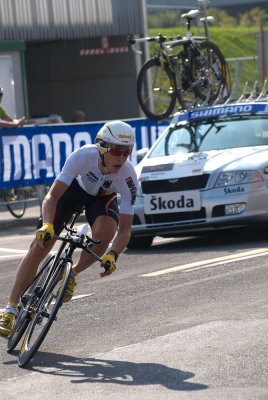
208 170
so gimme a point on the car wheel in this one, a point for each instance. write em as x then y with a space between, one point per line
141 242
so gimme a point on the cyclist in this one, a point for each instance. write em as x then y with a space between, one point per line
91 177
5 120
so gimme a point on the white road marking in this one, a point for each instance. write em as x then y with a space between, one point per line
19 236
13 253
211 262
19 253
11 256
7 250
81 296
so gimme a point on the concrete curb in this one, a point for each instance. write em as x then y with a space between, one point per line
17 223
29 219
26 222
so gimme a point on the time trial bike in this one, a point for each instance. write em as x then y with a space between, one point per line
42 300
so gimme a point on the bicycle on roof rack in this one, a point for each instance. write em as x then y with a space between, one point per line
198 74
42 300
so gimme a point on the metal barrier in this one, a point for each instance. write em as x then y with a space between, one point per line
17 202
238 70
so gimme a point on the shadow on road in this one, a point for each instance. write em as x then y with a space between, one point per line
245 238
85 370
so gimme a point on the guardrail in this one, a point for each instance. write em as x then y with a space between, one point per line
236 75
16 201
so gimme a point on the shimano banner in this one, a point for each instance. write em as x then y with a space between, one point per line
33 155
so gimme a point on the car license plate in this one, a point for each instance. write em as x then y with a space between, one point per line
162 203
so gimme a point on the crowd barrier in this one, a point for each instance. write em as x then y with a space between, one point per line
34 155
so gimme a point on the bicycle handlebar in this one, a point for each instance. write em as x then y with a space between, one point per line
78 241
159 39
168 42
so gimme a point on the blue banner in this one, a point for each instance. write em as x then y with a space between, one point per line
32 155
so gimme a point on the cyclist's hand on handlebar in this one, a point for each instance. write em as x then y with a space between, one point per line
45 233
108 263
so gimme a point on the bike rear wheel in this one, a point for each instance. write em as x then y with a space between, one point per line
27 304
156 90
16 201
45 314
208 71
187 94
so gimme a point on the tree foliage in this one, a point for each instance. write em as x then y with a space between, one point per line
171 18
256 16
164 19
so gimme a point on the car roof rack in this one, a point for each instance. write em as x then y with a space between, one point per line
255 95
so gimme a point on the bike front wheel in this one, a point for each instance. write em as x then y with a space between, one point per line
28 303
45 314
156 90
208 71
16 201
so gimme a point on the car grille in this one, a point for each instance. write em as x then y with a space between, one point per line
172 185
175 217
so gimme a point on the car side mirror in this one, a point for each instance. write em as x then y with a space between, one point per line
141 153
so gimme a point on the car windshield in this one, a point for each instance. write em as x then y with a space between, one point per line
216 134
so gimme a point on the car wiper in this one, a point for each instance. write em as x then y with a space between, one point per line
218 128
191 146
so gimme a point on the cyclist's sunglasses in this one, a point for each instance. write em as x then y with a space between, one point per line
118 153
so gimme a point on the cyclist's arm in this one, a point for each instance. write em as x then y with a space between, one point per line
10 123
73 166
123 234
128 190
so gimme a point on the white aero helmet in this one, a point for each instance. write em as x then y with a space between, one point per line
115 135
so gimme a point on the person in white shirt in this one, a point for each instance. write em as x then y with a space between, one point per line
92 176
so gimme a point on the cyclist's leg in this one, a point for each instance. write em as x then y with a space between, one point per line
29 265
104 235
102 212
24 276
85 259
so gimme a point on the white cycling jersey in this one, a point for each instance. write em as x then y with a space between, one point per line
82 164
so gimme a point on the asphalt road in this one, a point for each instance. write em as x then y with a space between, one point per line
186 319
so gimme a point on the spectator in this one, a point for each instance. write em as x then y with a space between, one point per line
79 116
5 120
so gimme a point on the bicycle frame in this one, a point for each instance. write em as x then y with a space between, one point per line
57 256
42 302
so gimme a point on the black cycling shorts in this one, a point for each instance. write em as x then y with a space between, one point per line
74 199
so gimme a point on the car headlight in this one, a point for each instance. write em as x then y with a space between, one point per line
237 178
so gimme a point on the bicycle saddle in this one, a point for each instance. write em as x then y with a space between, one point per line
191 14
